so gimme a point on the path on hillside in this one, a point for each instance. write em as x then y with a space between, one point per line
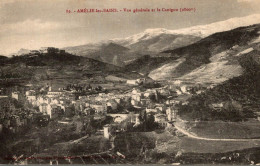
210 139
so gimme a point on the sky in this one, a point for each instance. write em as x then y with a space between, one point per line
32 24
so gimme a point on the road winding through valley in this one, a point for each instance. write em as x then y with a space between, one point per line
210 139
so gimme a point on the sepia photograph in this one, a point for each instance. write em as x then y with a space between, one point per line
173 82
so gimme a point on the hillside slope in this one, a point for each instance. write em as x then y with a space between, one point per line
213 59
53 66
240 95
108 52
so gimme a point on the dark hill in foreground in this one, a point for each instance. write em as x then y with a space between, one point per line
37 67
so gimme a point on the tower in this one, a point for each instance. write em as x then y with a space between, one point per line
49 89
107 131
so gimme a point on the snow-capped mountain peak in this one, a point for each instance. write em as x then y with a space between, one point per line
147 34
232 23
199 30
156 31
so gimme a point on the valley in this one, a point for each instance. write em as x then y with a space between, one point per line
187 96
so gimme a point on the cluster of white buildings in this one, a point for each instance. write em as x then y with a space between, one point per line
163 112
106 103
60 100
49 103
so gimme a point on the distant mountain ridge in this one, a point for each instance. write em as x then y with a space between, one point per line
107 52
118 52
180 54
154 41
213 59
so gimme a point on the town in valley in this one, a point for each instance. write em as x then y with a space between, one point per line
110 87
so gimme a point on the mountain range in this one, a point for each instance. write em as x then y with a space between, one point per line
121 51
213 59
201 54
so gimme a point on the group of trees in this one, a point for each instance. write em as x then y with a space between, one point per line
146 124
200 108
240 96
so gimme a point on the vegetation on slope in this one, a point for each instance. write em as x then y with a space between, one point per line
240 96
56 66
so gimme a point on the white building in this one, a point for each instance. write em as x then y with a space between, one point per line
147 94
30 93
132 82
99 108
15 95
134 102
178 92
160 108
31 99
137 97
171 114
136 91
54 93
148 110
45 109
107 131
161 119
118 100
183 89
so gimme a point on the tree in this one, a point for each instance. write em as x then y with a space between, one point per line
70 111
126 124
